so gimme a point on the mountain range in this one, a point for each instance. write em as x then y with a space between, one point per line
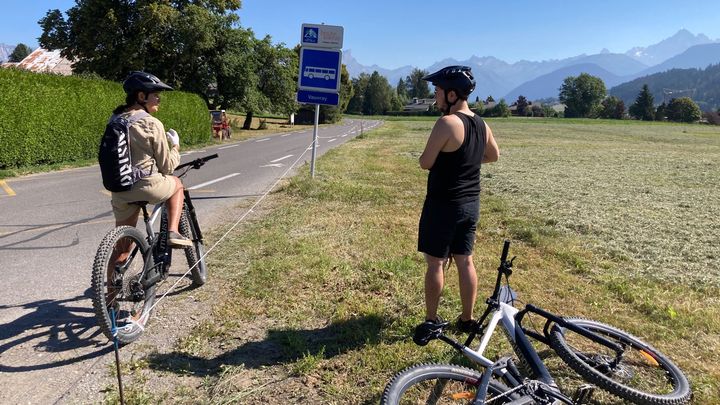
536 80
5 52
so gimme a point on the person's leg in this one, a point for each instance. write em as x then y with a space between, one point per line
434 280
174 205
468 284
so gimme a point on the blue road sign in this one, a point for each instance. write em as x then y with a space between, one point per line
310 35
317 97
320 69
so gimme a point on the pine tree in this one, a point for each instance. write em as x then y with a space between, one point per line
643 108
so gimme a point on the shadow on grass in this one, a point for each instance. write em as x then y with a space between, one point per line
281 346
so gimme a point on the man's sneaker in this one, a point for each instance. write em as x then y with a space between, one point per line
177 241
465 326
428 330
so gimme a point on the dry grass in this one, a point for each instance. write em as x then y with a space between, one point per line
322 289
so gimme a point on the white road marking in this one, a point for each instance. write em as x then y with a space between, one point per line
282 158
229 146
274 165
332 140
263 140
207 183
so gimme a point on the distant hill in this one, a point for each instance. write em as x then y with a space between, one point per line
698 56
702 85
548 85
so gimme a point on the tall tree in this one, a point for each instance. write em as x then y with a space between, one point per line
522 105
417 87
378 95
359 84
643 108
582 94
20 52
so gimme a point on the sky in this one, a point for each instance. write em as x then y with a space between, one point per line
395 33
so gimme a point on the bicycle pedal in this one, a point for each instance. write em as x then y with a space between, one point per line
583 394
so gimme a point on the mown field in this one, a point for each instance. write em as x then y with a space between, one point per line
314 298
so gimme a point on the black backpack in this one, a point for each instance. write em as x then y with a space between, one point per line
118 172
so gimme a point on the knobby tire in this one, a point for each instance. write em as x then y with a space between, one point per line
643 376
126 307
440 384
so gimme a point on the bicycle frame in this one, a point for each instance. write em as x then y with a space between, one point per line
500 312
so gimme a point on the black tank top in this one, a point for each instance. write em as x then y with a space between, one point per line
455 176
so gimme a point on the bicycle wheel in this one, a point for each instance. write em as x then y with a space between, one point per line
643 375
195 253
440 384
117 269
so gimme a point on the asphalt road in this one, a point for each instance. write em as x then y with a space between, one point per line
50 227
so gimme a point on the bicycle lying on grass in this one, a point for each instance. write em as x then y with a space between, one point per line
604 356
124 285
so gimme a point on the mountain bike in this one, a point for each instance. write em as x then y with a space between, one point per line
129 265
605 356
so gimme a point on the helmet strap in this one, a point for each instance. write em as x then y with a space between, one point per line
448 104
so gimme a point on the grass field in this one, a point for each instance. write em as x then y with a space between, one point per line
616 221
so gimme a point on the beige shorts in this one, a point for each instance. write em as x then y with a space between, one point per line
153 189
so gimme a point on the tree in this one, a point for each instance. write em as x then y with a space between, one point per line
683 109
359 84
378 95
417 87
21 52
643 108
522 105
660 112
489 99
500 109
582 94
613 108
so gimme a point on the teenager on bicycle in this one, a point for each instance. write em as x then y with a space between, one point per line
459 142
155 152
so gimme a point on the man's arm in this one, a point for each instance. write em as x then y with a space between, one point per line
439 136
492 152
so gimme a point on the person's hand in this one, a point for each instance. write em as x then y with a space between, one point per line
173 137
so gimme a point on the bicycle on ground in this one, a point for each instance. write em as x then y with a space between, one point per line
605 357
130 265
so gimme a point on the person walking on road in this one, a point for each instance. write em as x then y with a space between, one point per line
459 143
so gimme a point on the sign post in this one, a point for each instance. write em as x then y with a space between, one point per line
320 69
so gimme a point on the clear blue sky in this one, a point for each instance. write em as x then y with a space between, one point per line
393 33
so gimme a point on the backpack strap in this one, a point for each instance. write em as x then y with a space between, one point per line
137 117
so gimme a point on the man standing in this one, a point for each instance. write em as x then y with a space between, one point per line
459 142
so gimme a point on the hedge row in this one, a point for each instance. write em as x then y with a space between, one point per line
47 119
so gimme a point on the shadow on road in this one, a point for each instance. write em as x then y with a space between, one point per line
54 334
48 230
281 346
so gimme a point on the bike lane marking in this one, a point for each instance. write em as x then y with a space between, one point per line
207 183
7 188
229 146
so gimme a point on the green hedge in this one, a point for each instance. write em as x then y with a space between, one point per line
46 119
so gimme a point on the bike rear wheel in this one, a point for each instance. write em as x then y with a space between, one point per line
643 375
440 384
194 254
117 270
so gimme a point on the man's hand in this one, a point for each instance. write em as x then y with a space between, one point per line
173 137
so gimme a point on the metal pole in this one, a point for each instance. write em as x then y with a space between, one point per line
315 138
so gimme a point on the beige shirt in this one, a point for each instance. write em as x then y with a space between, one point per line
149 146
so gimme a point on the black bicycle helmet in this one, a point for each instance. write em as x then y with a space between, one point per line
141 81
457 78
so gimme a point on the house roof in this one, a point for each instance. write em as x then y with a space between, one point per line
419 104
44 61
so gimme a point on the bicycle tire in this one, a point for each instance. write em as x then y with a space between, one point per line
420 383
643 376
131 312
195 253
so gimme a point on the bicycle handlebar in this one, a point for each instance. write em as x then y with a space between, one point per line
506 248
197 163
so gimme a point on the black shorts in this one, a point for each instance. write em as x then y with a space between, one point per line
448 228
